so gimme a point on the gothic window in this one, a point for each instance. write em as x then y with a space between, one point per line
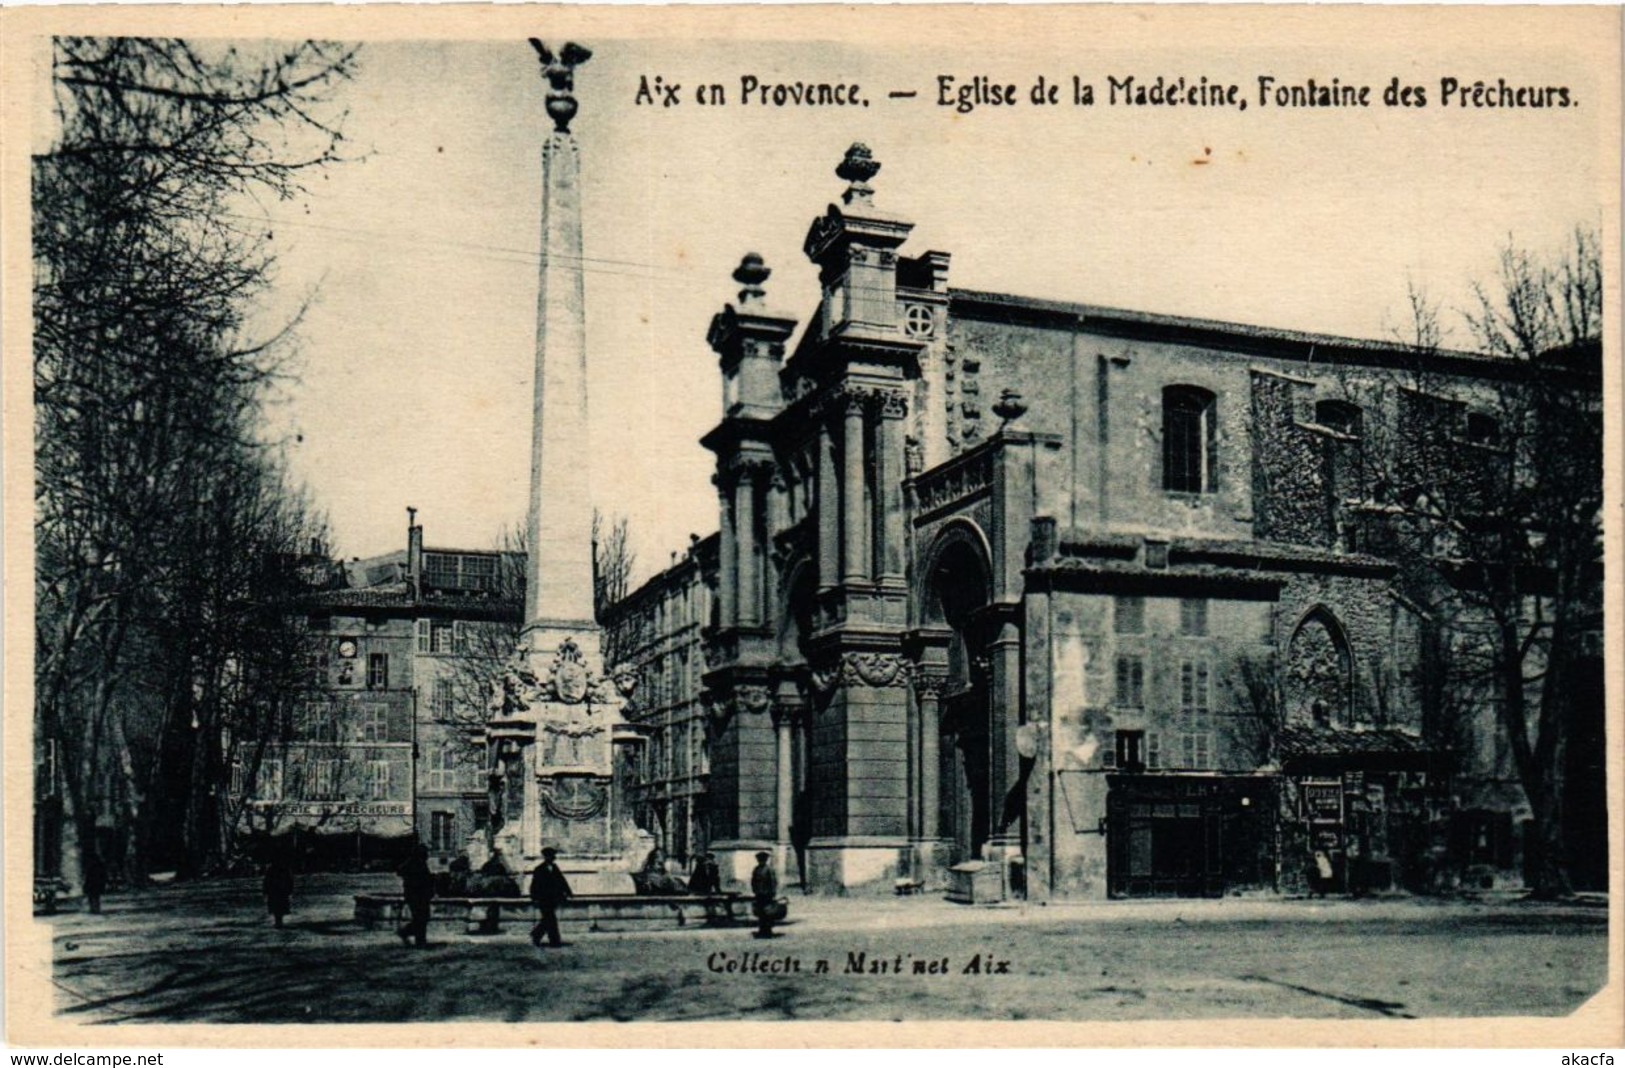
1189 452
1317 672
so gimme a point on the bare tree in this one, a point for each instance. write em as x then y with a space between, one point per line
1492 500
612 563
1255 703
164 526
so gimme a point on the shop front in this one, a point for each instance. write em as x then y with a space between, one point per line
1189 835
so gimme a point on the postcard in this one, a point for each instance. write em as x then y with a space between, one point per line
704 526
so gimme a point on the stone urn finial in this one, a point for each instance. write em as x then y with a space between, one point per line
858 167
560 72
751 273
1010 408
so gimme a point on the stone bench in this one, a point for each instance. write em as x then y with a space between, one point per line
483 915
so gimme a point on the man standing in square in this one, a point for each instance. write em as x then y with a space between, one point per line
764 890
548 890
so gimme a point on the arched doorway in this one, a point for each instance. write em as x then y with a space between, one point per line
958 588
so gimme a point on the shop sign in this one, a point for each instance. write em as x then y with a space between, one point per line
1323 801
333 809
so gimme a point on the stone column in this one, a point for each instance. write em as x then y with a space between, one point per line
1004 708
748 596
854 517
784 717
829 513
929 694
728 579
889 488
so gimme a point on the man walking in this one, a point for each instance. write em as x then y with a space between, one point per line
764 889
93 873
417 887
548 890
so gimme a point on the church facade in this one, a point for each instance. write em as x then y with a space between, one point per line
1021 597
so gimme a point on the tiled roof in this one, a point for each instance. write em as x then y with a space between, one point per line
1276 335
398 595
1336 741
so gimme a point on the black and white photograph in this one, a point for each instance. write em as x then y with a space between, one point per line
1088 522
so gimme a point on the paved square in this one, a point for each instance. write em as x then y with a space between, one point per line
208 953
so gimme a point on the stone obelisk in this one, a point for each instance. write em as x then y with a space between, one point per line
558 591
556 736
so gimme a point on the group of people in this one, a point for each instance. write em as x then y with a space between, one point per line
549 890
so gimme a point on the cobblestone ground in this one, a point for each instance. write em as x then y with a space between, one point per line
207 953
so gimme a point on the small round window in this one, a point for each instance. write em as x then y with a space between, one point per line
919 321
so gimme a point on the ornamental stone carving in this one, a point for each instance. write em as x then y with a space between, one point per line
879 670
573 799
955 482
928 681
753 699
569 676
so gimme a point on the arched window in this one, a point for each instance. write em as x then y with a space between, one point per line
1189 455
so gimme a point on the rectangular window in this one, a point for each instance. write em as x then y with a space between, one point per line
378 780
443 767
1128 615
324 777
1188 440
1130 750
1196 747
1193 617
440 637
421 628
374 725
377 671
1195 693
444 703
1153 750
1130 682
443 832
270 781
482 815
319 723
238 782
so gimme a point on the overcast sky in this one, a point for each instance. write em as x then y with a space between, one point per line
416 367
